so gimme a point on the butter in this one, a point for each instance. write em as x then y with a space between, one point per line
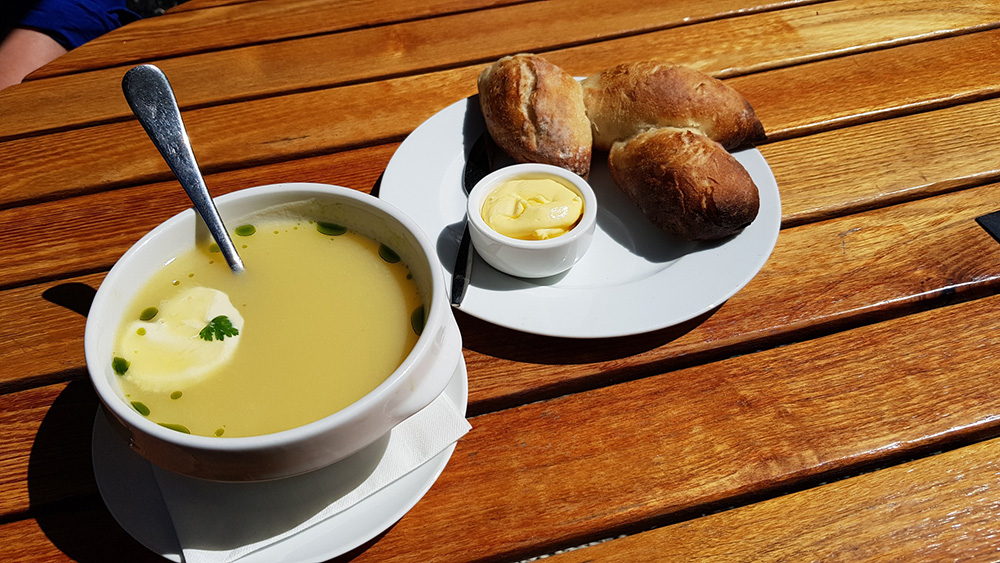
166 352
532 208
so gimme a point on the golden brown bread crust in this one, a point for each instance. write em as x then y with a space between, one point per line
534 111
630 98
685 183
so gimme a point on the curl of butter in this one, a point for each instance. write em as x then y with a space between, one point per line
170 353
532 208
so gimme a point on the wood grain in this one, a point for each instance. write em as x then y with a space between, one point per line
408 48
45 446
587 466
372 114
285 127
330 60
41 338
561 472
874 85
187 31
934 509
79 532
53 239
821 276
798 34
815 400
877 164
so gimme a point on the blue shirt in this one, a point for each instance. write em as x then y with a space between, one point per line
74 22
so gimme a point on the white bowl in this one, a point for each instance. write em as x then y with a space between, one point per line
421 377
532 258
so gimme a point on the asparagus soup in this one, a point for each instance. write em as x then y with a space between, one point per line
320 318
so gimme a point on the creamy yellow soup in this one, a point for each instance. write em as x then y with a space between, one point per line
320 318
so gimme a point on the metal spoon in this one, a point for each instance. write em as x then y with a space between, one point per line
152 100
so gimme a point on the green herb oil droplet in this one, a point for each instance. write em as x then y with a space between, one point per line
331 229
120 365
176 395
417 320
388 254
245 230
148 313
177 427
140 408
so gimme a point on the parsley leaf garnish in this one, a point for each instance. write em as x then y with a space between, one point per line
220 327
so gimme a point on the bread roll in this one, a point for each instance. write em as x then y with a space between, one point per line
630 98
685 183
534 111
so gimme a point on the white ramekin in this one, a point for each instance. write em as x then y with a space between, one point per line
531 258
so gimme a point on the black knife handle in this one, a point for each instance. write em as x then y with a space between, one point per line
463 268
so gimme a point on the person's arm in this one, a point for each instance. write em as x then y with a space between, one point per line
23 51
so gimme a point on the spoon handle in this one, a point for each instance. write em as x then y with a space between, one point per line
152 100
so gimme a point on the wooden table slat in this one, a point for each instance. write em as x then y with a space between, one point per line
939 508
130 213
634 454
839 271
820 176
186 31
286 127
809 32
82 532
584 467
852 169
46 446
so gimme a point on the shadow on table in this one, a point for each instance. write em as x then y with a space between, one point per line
61 488
492 340
62 491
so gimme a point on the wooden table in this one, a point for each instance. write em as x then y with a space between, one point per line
843 406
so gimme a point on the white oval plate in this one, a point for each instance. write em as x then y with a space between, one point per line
634 278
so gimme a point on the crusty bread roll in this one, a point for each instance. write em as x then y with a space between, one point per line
534 111
685 183
630 98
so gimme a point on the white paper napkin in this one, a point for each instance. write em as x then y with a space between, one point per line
221 522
